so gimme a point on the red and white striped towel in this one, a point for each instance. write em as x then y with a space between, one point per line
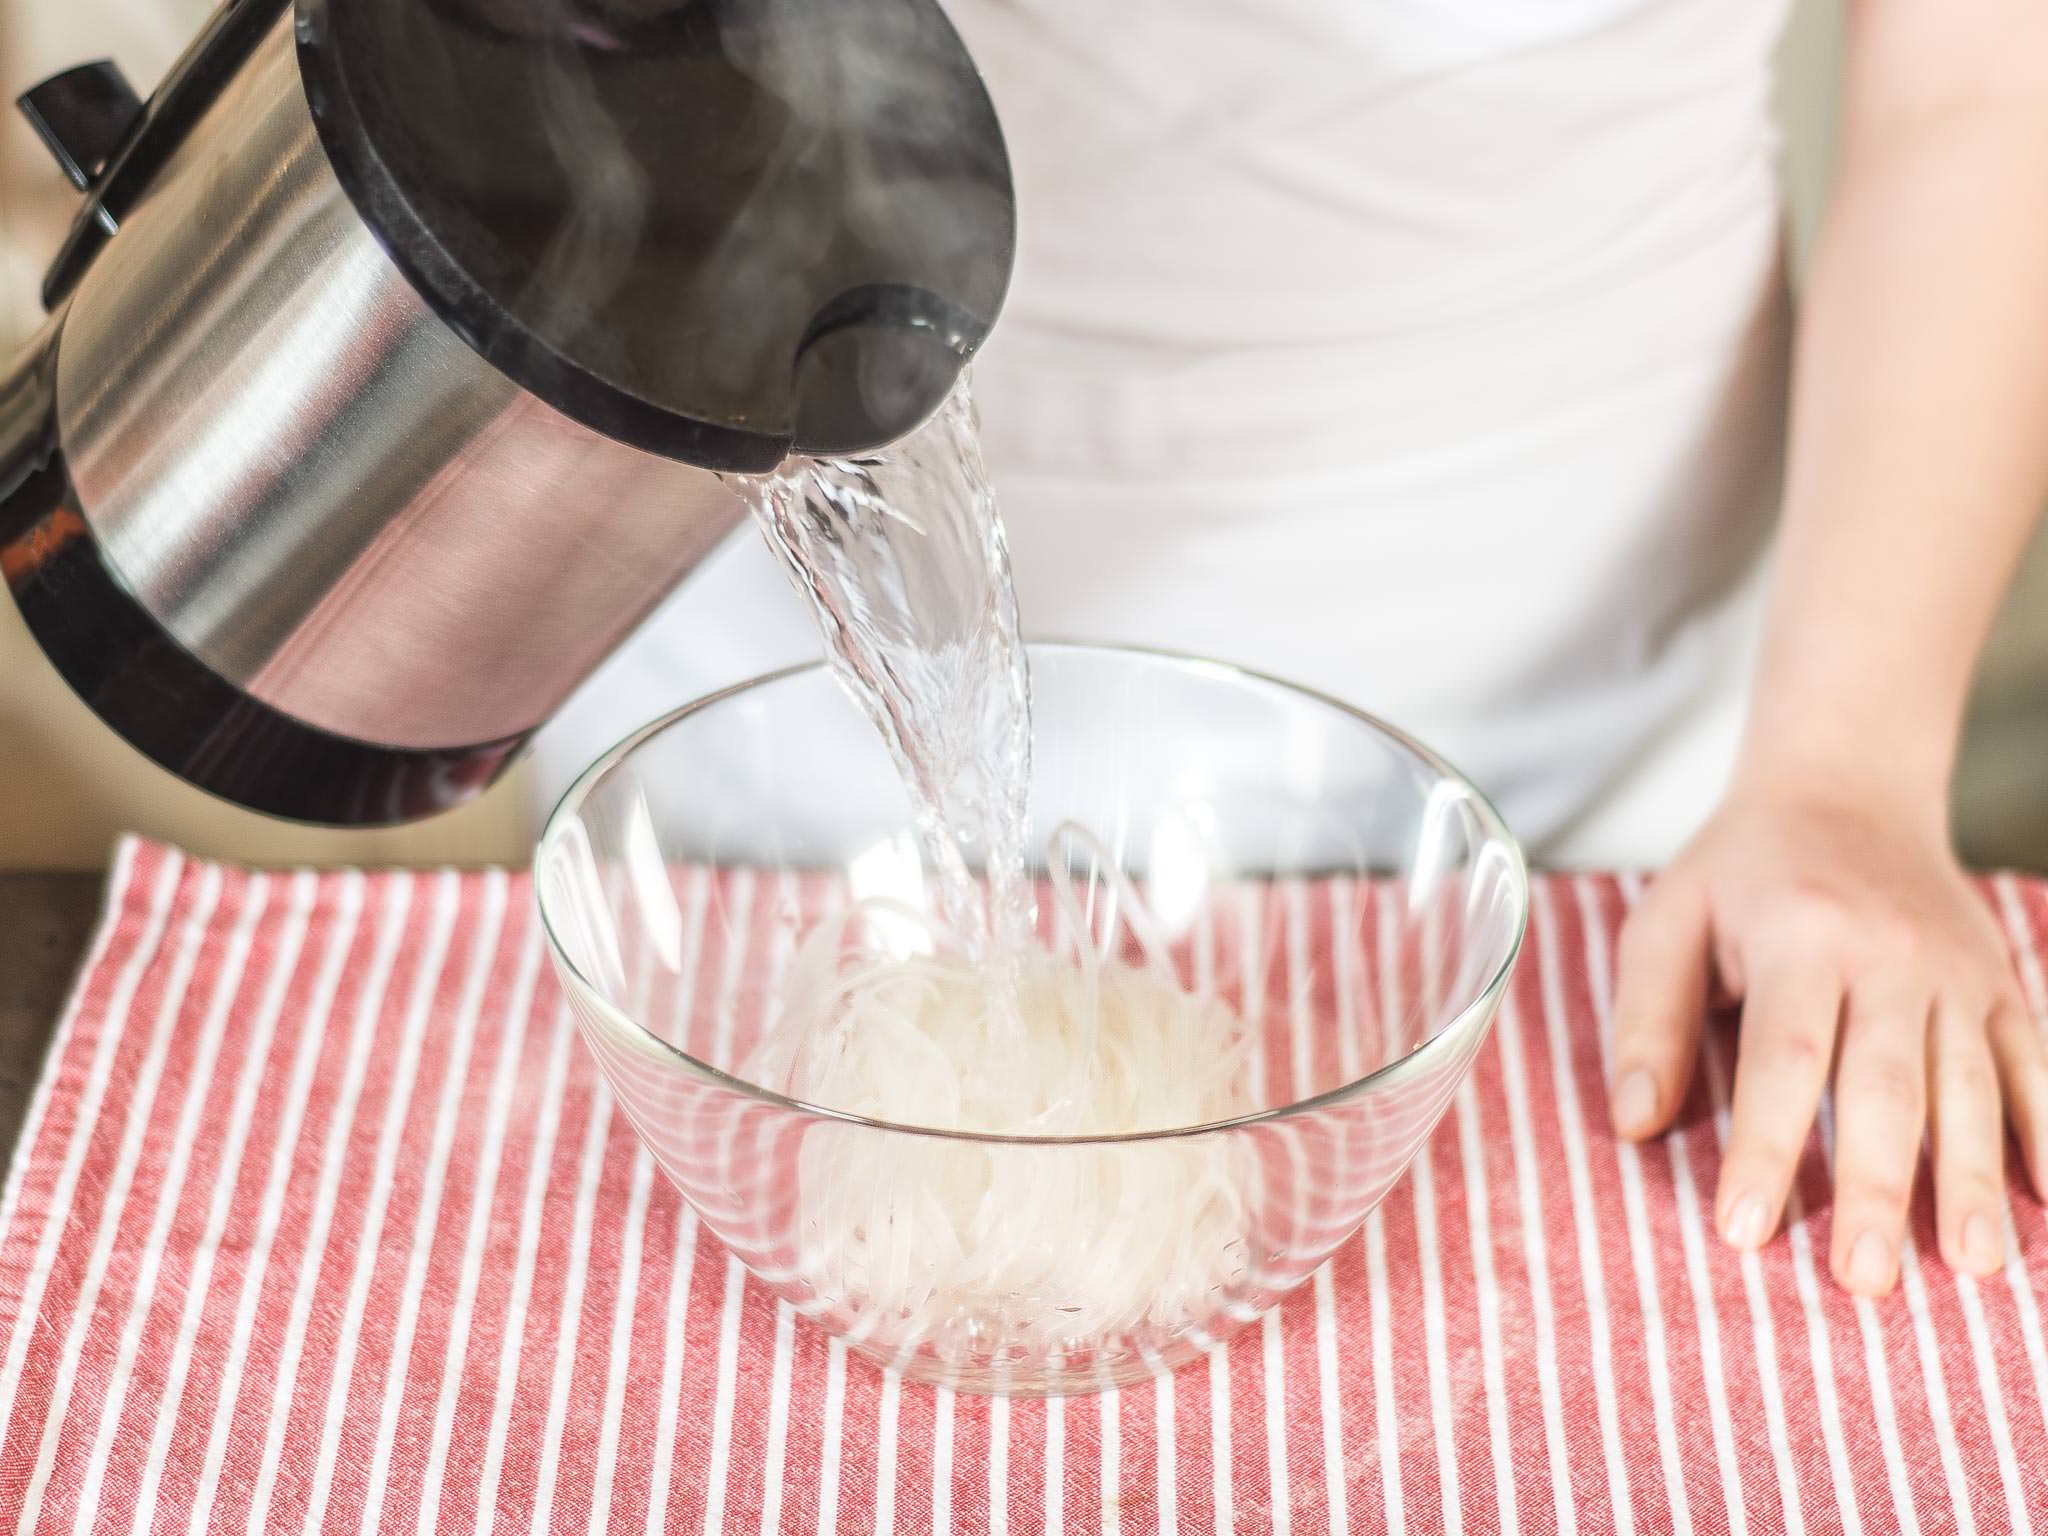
322 1219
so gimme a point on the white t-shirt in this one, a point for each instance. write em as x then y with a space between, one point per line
1428 352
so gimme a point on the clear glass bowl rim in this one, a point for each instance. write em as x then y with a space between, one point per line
1470 1020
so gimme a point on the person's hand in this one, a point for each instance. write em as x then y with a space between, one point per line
1853 943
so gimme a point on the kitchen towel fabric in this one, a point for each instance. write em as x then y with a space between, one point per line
322 1219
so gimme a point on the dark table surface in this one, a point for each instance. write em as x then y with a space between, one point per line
45 924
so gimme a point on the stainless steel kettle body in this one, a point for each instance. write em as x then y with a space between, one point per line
273 509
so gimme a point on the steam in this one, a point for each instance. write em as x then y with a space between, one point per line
594 246
780 156
603 213
859 82
872 176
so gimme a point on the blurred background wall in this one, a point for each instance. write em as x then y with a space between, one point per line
68 786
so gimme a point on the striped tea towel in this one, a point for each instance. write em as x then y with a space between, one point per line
322 1221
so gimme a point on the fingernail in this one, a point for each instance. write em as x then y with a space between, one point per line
1870 1264
1635 1102
1748 1223
1982 1250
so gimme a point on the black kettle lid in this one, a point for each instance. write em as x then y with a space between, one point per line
720 230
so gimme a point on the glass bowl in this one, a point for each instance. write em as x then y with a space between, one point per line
1348 895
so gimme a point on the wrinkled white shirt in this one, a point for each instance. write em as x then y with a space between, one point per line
1428 352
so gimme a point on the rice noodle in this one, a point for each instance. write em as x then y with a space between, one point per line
1052 1243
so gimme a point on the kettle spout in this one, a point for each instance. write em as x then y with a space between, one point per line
874 363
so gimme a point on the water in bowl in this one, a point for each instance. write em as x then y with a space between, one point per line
902 559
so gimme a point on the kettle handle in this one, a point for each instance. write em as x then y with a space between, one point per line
82 116
112 148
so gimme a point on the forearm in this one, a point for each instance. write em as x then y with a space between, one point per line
1919 449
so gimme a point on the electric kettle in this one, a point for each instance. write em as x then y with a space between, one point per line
398 354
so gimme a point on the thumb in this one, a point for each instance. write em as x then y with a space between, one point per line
1660 1003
